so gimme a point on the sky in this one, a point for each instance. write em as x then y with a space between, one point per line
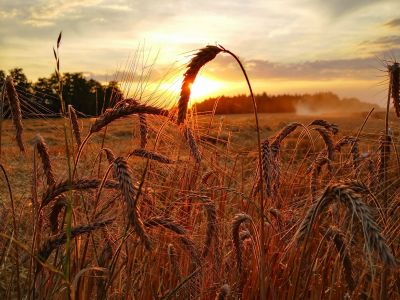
287 46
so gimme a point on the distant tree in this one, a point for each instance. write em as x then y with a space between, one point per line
2 77
108 96
89 96
20 80
45 90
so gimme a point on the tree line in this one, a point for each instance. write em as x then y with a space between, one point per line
91 98
285 103
87 96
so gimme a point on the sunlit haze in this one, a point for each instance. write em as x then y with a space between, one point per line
287 46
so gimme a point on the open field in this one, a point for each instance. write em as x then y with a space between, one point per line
238 129
195 230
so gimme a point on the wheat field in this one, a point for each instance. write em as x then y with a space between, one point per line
149 201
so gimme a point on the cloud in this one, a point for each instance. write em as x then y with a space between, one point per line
393 23
325 70
382 47
337 8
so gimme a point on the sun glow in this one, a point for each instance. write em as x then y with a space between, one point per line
204 87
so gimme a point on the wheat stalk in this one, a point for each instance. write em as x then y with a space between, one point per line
123 175
16 113
75 126
328 126
394 72
123 111
43 152
173 260
270 170
326 136
50 244
190 246
236 222
194 149
280 136
81 184
55 212
151 155
315 170
166 223
202 57
349 194
384 155
353 142
144 130
211 224
338 240
104 259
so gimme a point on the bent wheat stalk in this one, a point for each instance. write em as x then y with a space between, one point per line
82 184
52 243
328 142
328 126
349 194
202 57
166 223
123 111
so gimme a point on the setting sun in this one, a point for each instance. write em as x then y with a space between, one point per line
204 87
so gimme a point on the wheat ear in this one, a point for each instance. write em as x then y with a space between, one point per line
144 130
211 224
166 223
280 136
194 149
16 113
124 111
236 222
75 125
202 57
123 175
55 212
43 152
328 126
326 136
151 155
173 260
52 243
394 72
338 240
81 184
349 194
